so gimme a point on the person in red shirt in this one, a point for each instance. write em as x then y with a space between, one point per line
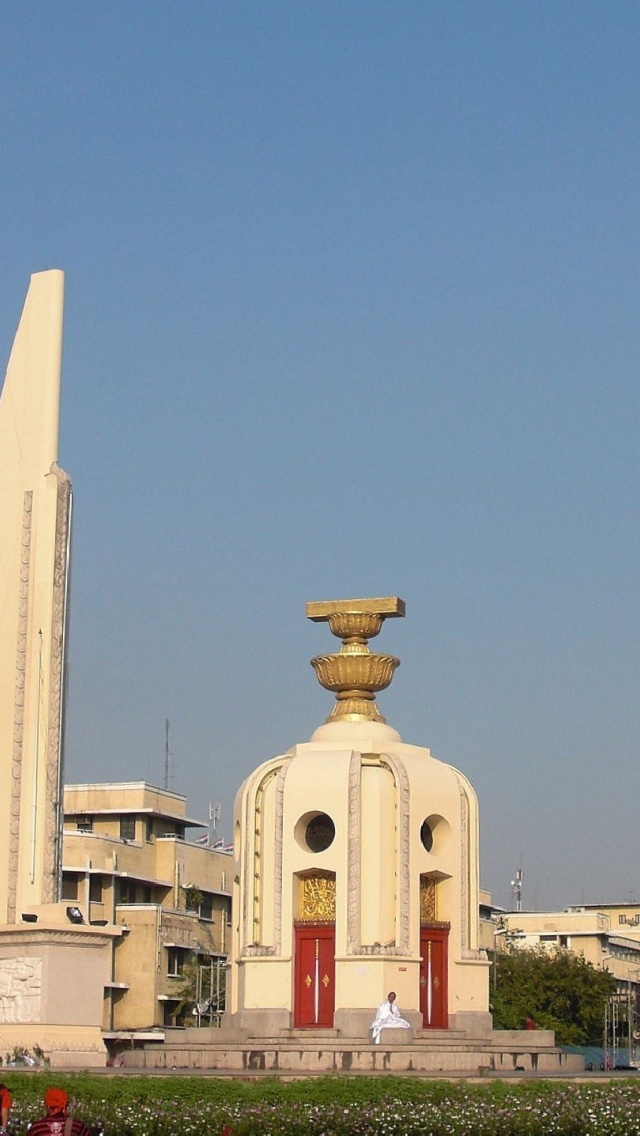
5 1105
57 1122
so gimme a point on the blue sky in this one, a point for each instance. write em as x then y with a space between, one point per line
352 308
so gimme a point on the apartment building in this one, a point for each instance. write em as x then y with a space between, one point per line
130 858
597 932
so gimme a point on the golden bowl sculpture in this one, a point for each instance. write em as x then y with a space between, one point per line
359 674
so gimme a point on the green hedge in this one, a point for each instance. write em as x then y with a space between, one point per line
345 1106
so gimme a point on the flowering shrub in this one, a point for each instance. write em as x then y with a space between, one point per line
195 1106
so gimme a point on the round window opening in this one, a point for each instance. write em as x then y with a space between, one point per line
426 836
320 832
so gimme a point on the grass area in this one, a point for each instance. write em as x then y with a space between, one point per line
381 1106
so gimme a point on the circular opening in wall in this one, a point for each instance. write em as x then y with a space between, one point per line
426 835
435 833
319 832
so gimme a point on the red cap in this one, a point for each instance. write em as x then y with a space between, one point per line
56 1099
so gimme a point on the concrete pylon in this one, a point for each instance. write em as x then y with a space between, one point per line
35 506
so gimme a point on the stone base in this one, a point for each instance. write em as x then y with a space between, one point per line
53 975
357 1023
254 1023
348 1023
64 1047
472 1023
320 1052
77 1059
394 1037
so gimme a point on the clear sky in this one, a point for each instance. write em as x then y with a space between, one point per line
352 309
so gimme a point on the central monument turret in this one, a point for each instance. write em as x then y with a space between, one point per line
355 674
356 866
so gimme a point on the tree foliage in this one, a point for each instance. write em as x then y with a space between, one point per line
560 991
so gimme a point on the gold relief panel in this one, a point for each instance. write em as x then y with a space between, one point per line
428 905
317 899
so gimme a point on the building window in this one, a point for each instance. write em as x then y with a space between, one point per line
146 894
206 907
95 889
175 962
622 919
320 833
127 828
426 836
84 824
148 829
169 1011
127 891
548 938
70 887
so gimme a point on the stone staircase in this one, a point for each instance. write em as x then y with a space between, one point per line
315 1053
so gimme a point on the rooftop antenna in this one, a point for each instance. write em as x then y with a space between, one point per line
516 889
167 754
215 812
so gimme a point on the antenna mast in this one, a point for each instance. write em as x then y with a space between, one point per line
167 754
516 888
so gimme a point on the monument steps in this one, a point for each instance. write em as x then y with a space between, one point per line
302 1053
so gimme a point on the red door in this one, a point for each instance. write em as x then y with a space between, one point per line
314 976
433 977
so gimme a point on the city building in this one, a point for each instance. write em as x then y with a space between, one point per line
624 915
596 932
487 913
129 859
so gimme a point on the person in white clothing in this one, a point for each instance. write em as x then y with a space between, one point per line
387 1017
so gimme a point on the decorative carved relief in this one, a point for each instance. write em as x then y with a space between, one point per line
247 882
254 891
403 903
464 864
258 853
18 705
20 990
428 903
353 856
277 883
52 851
254 950
380 949
317 899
